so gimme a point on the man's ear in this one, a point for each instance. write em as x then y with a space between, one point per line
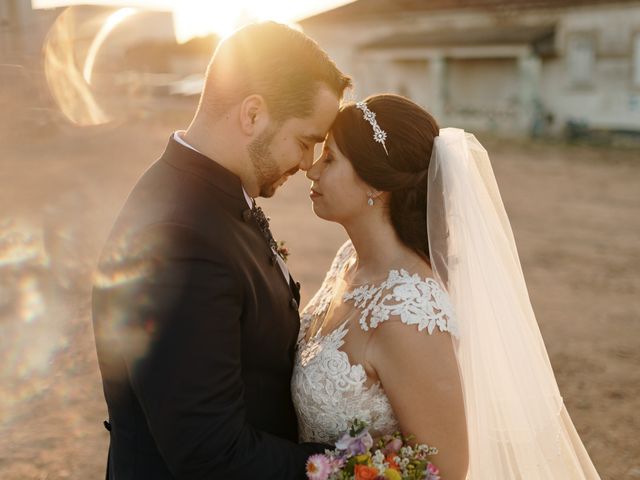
253 114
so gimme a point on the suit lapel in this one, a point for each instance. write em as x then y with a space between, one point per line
187 159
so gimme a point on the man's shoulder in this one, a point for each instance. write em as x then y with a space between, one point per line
164 195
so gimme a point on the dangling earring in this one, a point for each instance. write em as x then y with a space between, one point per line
370 201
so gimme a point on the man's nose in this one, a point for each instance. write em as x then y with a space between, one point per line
312 173
307 162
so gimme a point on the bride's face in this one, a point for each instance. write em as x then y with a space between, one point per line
337 192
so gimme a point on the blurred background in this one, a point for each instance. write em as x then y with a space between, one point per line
91 91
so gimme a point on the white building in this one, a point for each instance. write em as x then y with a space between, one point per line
519 67
22 31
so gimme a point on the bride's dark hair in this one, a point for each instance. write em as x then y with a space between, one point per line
410 134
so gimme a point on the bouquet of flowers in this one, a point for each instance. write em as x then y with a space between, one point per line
353 458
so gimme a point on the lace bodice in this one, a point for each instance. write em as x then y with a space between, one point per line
328 391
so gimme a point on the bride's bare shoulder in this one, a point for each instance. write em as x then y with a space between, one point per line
424 269
416 265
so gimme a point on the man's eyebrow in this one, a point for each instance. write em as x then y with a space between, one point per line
314 138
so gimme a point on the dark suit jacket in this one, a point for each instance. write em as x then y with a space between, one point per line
195 331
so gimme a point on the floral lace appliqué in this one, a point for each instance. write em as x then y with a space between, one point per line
328 391
414 300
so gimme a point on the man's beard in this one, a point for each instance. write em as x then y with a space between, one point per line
264 165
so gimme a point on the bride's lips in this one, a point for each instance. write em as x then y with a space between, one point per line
314 194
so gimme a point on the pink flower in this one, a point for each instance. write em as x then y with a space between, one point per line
337 463
432 472
393 446
318 467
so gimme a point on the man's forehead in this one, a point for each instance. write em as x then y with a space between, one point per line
316 128
329 142
327 107
309 128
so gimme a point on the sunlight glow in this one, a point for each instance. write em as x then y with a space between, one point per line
202 17
70 77
111 23
66 84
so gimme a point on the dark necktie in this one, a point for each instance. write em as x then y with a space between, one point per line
263 223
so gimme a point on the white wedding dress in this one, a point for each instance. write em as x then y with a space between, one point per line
517 424
328 391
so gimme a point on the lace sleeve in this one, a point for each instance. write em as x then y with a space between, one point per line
410 298
342 255
322 297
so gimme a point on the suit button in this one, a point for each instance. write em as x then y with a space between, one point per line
298 285
107 425
293 304
246 215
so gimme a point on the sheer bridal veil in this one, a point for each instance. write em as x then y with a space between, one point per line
518 426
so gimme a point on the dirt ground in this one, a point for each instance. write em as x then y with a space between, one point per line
574 212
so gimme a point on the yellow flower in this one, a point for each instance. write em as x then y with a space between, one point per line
364 458
391 474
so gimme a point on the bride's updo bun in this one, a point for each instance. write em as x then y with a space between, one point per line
403 172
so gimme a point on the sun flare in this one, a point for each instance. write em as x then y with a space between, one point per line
194 18
111 23
69 67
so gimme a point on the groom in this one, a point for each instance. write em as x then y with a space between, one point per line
195 314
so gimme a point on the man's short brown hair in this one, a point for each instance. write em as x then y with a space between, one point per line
270 59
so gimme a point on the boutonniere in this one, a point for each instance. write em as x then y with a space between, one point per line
282 250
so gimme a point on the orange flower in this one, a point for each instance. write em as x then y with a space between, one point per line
364 472
392 464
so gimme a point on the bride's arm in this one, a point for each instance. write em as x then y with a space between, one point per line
419 374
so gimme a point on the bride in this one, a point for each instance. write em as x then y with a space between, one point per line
423 323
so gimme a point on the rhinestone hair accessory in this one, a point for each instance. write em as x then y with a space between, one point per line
379 135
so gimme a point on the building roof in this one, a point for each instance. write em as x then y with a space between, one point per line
541 38
375 8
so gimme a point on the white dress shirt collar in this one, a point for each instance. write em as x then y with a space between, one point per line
177 136
285 271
